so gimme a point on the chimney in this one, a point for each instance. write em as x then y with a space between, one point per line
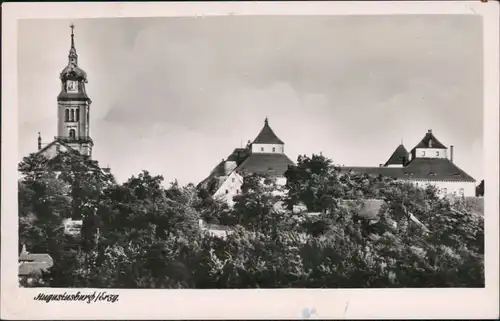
451 153
39 141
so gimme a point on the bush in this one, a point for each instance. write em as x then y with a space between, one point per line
142 235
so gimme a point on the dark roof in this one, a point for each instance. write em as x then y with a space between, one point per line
432 169
265 164
238 155
399 157
267 136
430 141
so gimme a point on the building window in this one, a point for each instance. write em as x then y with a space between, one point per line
437 153
72 115
227 192
232 179
262 149
237 191
461 191
423 153
78 114
66 115
72 133
274 149
88 115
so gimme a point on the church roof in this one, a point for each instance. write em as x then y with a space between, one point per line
60 142
430 141
399 157
265 164
430 169
267 136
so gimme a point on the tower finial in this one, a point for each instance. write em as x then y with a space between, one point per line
72 51
266 122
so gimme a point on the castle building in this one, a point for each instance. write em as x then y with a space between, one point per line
264 156
428 163
73 112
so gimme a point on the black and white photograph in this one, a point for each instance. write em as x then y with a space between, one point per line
251 152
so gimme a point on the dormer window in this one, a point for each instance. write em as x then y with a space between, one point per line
274 149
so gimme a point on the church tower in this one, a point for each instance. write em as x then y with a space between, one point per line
73 115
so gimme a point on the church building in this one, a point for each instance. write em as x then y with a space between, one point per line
264 156
428 163
73 112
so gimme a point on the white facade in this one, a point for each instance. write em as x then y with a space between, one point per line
230 187
431 153
451 188
268 148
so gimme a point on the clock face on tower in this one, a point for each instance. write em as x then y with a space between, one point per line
71 86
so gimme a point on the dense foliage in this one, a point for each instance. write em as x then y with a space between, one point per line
141 235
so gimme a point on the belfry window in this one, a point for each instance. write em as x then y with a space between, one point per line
78 114
72 133
66 115
72 115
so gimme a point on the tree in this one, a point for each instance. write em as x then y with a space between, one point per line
480 189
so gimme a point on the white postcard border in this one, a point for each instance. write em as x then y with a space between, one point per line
18 303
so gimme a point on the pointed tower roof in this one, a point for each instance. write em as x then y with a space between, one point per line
399 157
430 141
72 71
267 136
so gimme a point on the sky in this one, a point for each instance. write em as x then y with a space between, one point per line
176 95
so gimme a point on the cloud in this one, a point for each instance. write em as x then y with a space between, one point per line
174 91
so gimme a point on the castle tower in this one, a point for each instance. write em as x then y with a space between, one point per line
429 147
267 141
73 115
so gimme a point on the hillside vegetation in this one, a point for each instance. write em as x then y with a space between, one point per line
141 235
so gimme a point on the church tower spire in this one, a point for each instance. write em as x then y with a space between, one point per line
73 56
74 105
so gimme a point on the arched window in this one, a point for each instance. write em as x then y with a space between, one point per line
72 115
78 114
72 133
66 115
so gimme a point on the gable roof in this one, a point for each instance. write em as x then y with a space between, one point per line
267 136
54 142
429 169
430 141
32 264
399 157
265 164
